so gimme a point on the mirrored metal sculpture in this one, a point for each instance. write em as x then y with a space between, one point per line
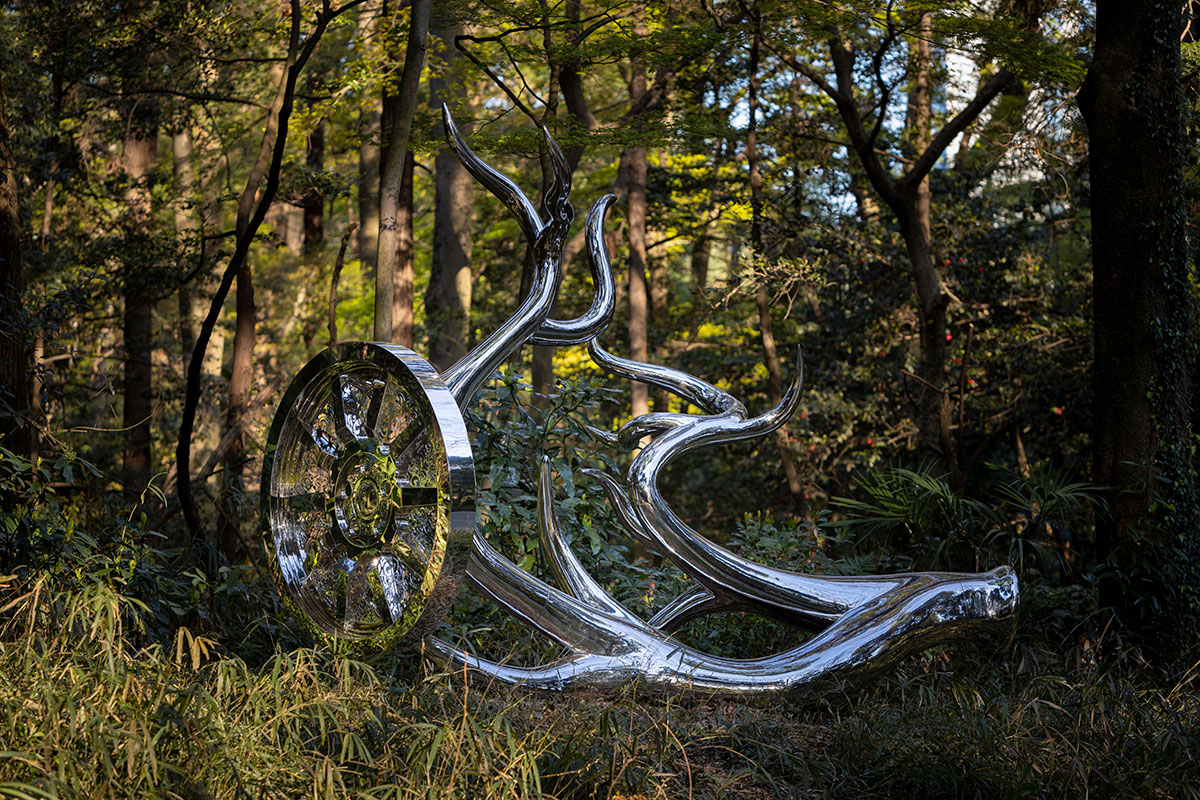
368 509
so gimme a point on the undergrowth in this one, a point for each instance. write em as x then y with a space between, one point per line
129 668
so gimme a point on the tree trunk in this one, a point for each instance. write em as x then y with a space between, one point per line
402 300
1143 316
140 152
14 358
761 296
314 200
639 340
634 167
186 226
191 223
701 254
448 298
933 403
241 386
368 157
393 169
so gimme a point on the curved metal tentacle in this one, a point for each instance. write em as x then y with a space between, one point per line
810 598
495 181
921 609
466 376
553 612
696 391
568 572
624 507
558 205
695 602
651 425
594 321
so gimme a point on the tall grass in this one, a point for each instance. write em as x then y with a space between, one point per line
87 710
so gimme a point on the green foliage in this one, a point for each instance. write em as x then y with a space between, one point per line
922 523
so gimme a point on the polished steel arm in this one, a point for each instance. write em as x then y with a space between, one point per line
466 376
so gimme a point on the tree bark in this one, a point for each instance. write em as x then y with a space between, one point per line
639 339
701 254
314 199
1143 308
402 300
761 296
448 297
634 168
14 357
933 400
138 327
369 167
397 146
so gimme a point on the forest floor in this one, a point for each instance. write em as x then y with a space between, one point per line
89 708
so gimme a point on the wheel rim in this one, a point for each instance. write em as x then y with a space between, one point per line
368 493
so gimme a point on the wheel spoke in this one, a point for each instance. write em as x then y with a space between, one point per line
376 404
391 579
338 407
300 503
406 446
418 497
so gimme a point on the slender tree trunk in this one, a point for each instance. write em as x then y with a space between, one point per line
191 223
369 166
933 404
314 200
1144 318
701 254
138 328
397 146
14 358
448 298
634 168
187 225
639 340
402 301
241 386
761 296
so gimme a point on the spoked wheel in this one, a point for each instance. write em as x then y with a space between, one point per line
368 493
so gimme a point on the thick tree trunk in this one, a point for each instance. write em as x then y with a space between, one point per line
448 298
14 358
1143 310
138 327
393 169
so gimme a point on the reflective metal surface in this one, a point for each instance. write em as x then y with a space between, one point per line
351 526
368 493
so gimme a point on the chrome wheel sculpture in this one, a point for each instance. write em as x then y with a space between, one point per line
368 492
363 549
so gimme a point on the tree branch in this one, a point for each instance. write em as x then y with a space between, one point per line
942 139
